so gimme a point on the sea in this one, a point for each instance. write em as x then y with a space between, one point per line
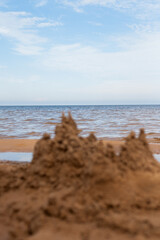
105 121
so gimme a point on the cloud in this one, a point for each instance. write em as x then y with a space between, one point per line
28 50
126 4
49 24
41 3
132 73
138 61
141 8
22 28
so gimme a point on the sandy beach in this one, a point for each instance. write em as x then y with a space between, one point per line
17 145
79 188
27 145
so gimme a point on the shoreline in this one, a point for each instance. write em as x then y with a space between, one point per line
27 145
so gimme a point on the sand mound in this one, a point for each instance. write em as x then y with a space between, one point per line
70 158
79 188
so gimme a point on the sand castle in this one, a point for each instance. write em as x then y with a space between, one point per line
80 188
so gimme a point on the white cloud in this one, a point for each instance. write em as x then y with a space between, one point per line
19 26
147 27
41 3
49 24
138 62
133 73
116 3
22 28
141 8
28 50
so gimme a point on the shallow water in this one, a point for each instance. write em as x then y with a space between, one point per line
16 156
157 157
27 157
106 121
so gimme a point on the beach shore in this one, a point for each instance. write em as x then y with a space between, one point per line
27 145
17 145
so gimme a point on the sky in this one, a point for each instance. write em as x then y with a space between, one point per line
79 52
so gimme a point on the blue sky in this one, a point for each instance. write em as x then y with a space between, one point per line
79 52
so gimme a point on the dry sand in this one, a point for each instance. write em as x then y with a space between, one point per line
78 188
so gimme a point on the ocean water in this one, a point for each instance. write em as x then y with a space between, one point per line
113 122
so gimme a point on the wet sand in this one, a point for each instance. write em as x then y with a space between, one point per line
27 145
17 145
